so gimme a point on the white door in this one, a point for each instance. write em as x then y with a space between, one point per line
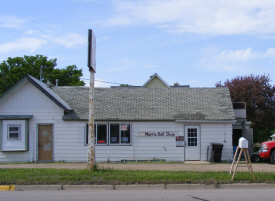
192 143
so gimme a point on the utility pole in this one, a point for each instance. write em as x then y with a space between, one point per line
91 137
92 68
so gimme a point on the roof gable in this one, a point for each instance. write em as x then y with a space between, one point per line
40 86
156 81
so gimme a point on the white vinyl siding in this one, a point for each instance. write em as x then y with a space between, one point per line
28 100
157 147
69 138
217 133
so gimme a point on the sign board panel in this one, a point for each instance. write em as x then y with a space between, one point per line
91 50
123 127
180 141
158 134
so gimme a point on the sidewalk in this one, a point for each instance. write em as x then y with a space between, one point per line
189 166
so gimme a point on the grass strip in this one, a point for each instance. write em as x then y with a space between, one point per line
110 176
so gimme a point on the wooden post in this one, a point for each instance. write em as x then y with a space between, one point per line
91 138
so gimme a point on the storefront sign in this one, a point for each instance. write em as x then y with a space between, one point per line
123 127
158 134
180 141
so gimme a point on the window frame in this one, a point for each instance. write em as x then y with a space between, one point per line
86 134
119 140
96 135
108 134
9 132
9 143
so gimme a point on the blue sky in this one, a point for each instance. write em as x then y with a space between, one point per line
192 42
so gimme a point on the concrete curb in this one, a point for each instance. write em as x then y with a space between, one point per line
138 187
7 188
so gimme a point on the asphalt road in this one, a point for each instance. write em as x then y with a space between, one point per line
146 195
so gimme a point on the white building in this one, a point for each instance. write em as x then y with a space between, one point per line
154 121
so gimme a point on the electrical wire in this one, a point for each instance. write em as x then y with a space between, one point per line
106 82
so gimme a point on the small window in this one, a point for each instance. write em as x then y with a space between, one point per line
192 137
14 131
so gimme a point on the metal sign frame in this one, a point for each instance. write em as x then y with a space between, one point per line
91 50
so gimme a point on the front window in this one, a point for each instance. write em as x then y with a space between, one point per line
114 133
119 133
101 133
125 133
14 131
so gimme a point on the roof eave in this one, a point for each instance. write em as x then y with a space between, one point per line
205 121
15 117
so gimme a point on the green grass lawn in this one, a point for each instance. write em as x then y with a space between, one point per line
110 176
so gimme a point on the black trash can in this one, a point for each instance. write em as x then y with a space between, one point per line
216 152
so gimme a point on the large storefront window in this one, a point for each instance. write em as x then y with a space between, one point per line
119 133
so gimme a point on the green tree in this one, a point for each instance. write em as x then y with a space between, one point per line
258 94
124 85
68 76
14 69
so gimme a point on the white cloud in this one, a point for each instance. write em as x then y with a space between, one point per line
242 60
99 83
12 22
199 16
237 55
30 32
248 54
35 40
28 44
102 38
270 53
150 66
71 40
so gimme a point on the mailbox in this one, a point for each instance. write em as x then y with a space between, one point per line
243 143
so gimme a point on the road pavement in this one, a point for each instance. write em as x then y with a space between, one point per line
146 195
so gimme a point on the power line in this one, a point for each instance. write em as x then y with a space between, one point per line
106 82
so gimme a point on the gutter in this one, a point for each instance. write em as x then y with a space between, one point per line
205 121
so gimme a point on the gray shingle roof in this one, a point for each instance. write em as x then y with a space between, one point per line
12 117
145 104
